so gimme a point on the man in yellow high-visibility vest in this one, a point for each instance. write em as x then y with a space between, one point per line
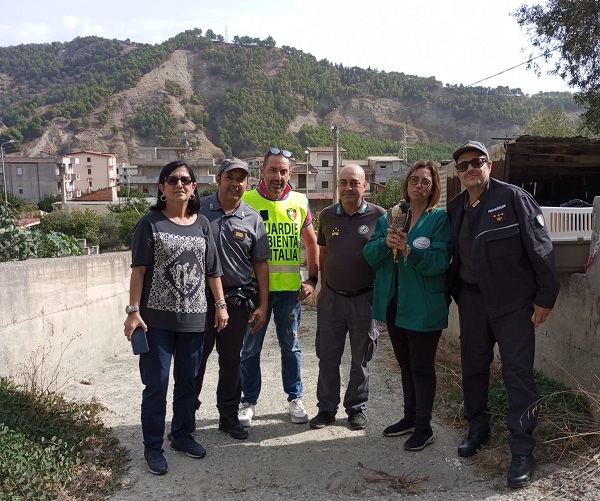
287 219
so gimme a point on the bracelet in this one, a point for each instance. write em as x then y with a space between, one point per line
314 279
221 304
408 249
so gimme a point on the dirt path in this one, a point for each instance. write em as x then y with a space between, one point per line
281 460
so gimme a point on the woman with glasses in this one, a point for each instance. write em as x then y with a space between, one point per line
174 260
410 296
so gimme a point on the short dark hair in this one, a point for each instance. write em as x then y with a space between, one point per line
193 205
436 188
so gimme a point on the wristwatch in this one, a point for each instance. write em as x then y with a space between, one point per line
130 309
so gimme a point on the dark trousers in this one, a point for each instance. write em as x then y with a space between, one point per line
515 336
229 345
336 317
415 352
186 350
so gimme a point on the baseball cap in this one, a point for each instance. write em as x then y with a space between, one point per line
232 163
470 145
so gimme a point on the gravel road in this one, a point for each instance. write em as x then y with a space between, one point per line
281 460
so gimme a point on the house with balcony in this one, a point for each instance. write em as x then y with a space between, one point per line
94 170
150 160
387 168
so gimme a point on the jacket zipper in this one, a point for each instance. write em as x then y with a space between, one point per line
496 229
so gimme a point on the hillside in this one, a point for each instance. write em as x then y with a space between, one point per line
111 95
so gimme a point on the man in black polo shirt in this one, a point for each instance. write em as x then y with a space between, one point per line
344 304
243 246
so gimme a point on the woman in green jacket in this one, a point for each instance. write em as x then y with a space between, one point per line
410 296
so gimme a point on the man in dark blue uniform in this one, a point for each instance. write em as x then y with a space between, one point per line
503 279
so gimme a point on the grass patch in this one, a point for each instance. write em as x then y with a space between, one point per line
565 421
54 449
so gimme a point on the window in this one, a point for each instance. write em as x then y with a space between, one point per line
301 180
89 159
77 177
19 171
324 184
89 172
383 166
89 183
324 163
20 190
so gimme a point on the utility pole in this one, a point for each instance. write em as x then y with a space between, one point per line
336 160
404 147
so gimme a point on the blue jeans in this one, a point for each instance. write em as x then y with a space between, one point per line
286 309
186 350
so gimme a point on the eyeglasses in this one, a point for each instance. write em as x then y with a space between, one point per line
173 180
277 151
414 180
476 163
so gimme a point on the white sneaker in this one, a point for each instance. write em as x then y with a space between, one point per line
246 413
297 411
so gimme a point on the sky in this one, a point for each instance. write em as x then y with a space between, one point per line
455 41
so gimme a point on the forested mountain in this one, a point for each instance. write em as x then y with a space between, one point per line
236 98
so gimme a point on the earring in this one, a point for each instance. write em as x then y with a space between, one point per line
192 196
163 198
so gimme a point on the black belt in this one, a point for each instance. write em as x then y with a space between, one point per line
350 293
470 287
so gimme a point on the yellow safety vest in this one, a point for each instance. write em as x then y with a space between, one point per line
283 221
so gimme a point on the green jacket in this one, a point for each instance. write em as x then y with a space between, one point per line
422 304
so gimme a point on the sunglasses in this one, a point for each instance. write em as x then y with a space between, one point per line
277 151
476 163
414 180
173 180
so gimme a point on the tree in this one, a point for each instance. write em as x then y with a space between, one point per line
390 196
550 124
571 28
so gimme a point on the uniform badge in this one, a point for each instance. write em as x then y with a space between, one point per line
539 219
363 229
238 234
292 214
335 232
497 217
421 243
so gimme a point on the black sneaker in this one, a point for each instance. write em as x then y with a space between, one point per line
419 440
232 426
188 445
357 420
322 419
402 427
155 459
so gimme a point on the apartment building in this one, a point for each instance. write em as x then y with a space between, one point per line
94 171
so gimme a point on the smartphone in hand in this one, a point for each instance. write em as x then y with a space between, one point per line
139 343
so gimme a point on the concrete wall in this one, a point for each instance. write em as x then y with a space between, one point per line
568 343
73 307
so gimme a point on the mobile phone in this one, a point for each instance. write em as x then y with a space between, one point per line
139 343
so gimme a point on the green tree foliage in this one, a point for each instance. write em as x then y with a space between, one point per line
16 243
108 231
127 221
76 223
55 244
264 90
550 124
158 123
571 29
174 88
390 196
358 147
46 202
